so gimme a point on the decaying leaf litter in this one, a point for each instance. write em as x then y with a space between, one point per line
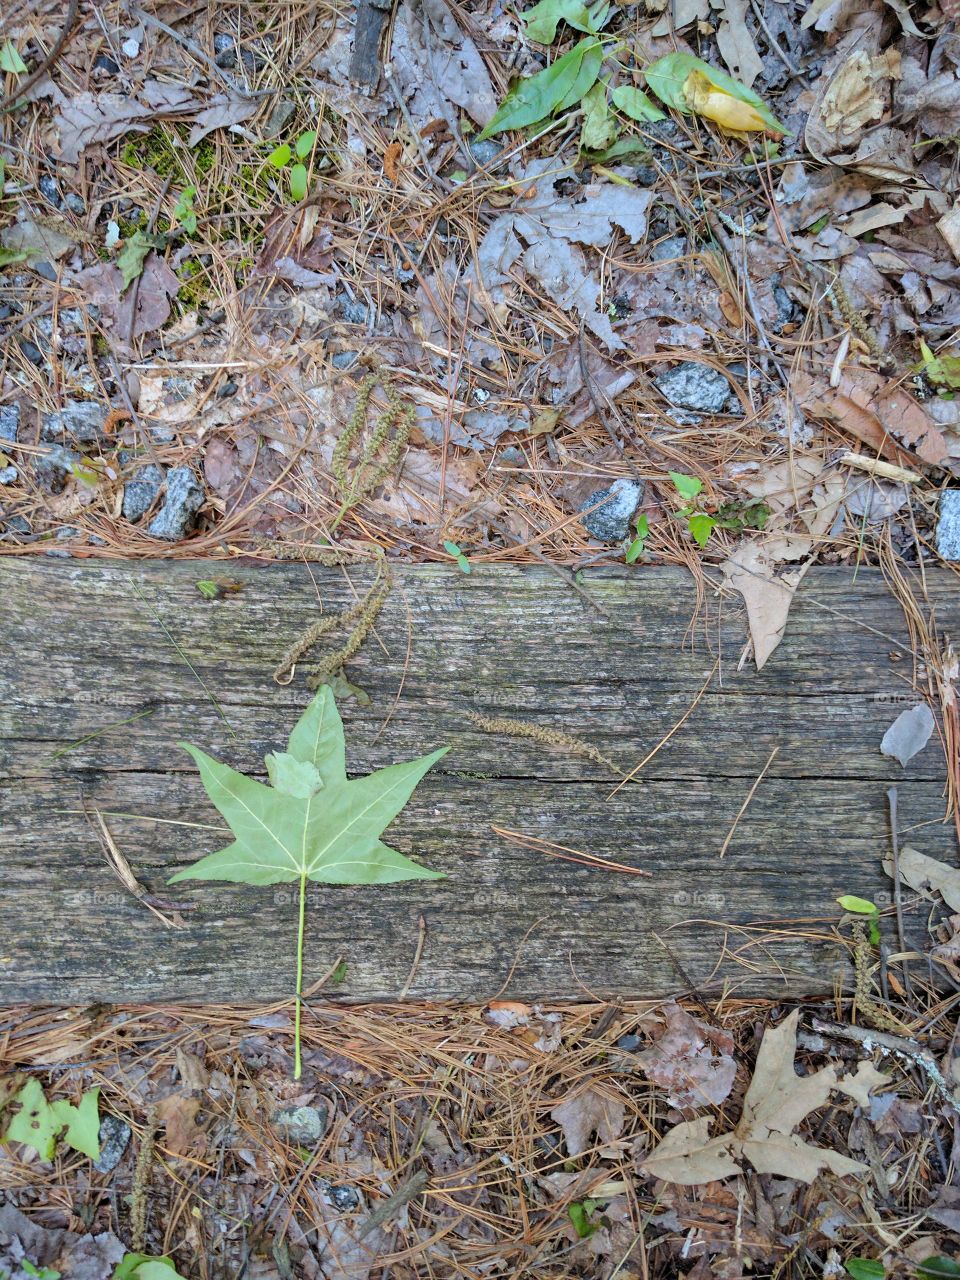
576 311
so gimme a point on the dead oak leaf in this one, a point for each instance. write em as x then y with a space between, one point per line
585 1114
691 1060
178 1113
776 1102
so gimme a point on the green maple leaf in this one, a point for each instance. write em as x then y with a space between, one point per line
38 1122
312 822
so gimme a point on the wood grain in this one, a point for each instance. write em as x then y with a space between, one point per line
83 652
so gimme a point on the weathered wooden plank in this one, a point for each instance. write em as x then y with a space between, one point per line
84 651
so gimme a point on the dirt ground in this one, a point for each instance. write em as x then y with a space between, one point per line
260 297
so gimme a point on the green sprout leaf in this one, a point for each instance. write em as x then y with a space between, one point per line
280 156
38 1122
860 906
688 487
304 144
865 1269
636 548
41 1273
141 1266
938 1267
544 18
311 823
298 182
579 1214
701 526
10 59
863 907
9 256
453 549
534 99
636 104
208 589
184 211
943 371
133 255
599 125
672 76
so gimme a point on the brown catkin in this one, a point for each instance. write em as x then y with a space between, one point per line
875 1014
141 1182
537 733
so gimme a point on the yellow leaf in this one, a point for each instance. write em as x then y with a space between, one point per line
722 108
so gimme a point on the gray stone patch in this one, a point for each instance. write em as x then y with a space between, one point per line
141 491
184 498
675 247
114 1138
301 1126
611 522
948 525
694 386
9 425
82 420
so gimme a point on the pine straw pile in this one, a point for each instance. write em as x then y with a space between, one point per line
504 1141
239 351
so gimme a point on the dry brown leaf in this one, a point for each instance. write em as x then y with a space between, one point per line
585 1114
691 1060
878 412
776 1102
859 93
101 285
767 593
948 953
391 161
949 228
178 1114
736 43
101 117
925 874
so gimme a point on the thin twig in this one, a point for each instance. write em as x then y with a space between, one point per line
385 1211
750 794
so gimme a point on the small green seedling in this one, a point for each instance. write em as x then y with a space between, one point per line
637 546
41 1273
699 523
184 212
283 156
863 907
453 549
141 1266
580 1214
10 60
311 822
38 1123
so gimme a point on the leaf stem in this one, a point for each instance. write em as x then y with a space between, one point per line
297 1065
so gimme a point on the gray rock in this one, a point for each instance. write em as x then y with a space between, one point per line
675 247
224 50
50 191
82 420
53 467
184 498
694 386
344 1197
75 203
301 1126
948 526
141 491
15 524
630 1043
44 270
31 352
114 1137
344 359
8 475
611 522
9 422
485 151
352 312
